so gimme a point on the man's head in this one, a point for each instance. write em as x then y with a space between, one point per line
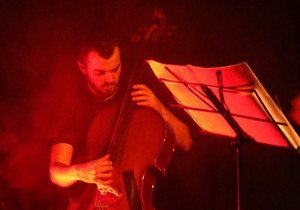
99 60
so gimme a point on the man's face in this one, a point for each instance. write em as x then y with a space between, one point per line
103 74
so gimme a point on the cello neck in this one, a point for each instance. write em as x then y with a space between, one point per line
119 129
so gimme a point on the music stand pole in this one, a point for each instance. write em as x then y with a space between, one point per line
241 135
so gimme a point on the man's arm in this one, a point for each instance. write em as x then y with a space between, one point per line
143 96
64 174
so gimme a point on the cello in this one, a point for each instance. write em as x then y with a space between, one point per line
140 144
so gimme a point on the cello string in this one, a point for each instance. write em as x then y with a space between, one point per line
117 143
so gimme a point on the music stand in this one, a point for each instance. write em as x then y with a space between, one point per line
228 101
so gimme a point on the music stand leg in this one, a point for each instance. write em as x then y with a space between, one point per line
238 175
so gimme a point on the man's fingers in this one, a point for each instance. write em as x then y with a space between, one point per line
103 175
140 98
140 92
143 103
139 86
102 162
106 157
102 169
105 182
142 87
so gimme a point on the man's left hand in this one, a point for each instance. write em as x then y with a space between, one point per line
143 96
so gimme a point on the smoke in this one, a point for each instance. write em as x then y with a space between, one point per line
36 50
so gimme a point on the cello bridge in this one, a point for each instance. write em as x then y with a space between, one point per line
107 196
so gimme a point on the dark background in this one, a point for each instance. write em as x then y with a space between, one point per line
37 52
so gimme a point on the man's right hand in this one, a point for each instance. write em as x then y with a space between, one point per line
96 171
64 174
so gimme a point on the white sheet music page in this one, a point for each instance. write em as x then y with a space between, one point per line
248 102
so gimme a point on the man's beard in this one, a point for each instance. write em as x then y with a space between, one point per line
102 91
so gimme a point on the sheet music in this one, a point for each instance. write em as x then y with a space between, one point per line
248 101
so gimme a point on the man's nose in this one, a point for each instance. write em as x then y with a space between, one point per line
108 77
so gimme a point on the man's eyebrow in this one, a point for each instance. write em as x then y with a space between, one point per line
116 67
100 70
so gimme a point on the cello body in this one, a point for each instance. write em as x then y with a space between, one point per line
143 157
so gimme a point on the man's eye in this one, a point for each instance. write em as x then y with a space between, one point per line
115 70
99 73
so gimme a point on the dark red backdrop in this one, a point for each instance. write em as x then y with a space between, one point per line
37 45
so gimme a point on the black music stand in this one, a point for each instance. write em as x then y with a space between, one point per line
229 101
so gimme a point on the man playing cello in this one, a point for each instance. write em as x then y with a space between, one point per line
100 63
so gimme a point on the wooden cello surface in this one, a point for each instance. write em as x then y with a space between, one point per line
147 152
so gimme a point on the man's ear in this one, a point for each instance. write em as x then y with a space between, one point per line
81 67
